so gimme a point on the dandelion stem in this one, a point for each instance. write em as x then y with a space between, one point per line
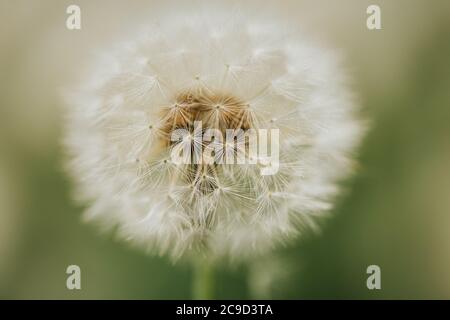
203 284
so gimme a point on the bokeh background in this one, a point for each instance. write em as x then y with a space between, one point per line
396 215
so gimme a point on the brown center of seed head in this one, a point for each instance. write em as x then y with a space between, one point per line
214 110
218 111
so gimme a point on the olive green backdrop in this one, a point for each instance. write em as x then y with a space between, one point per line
395 215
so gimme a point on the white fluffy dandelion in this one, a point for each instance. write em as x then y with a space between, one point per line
229 74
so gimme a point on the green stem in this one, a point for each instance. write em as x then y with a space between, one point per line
203 284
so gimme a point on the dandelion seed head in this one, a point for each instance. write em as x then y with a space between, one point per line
227 74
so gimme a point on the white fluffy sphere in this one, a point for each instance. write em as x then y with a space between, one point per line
178 72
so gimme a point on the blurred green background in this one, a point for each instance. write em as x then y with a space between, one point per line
396 215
